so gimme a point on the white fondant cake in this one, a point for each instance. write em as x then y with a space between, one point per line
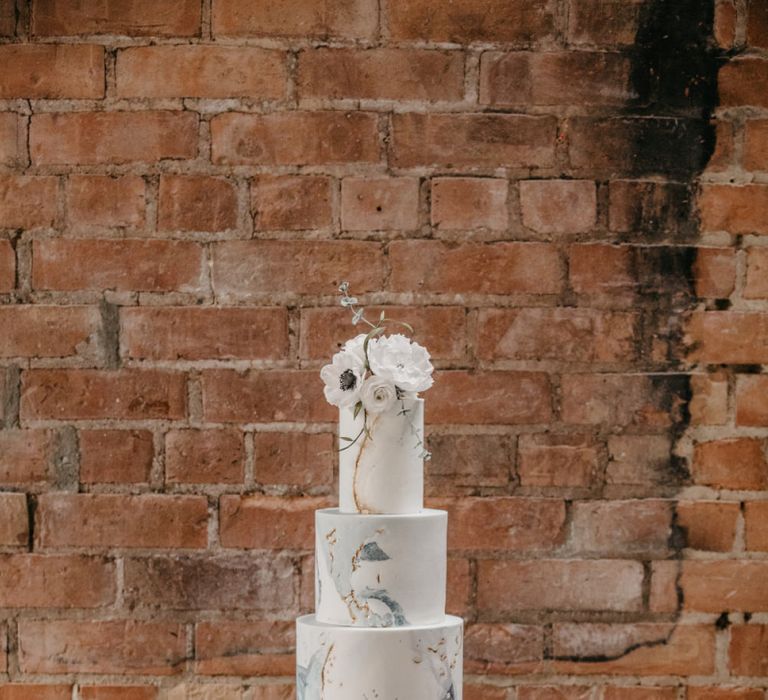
380 570
398 663
382 471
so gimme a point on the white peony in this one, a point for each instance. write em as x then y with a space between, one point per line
355 346
343 379
401 361
378 394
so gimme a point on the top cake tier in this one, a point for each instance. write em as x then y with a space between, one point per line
381 459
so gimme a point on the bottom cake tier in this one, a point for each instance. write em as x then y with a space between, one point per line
420 662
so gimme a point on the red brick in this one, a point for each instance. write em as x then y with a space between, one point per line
490 268
709 403
295 459
292 202
97 200
14 527
459 586
568 334
123 265
757 25
348 73
48 331
708 525
641 461
248 397
558 206
234 648
728 337
267 522
734 208
441 329
717 586
129 394
98 520
3 649
115 456
379 204
25 455
557 460
27 201
554 78
7 266
294 138
461 463
698 693
505 524
199 333
460 203
604 22
756 144
752 400
473 141
621 527
90 138
743 81
485 692
748 653
756 286
737 463
504 398
756 526
663 594
12 150
498 648
558 584
551 692
204 457
637 693
52 71
18 691
201 71
724 155
211 582
466 21
118 692
715 272
242 268
7 26
600 269
273 692
357 19
156 648
196 203
648 207
137 18
50 581
725 24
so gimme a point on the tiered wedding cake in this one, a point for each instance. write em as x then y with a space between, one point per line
380 631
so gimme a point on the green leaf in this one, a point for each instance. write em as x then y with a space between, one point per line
381 318
344 437
358 408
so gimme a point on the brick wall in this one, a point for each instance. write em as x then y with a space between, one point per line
568 198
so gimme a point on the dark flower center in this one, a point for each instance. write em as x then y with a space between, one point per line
347 380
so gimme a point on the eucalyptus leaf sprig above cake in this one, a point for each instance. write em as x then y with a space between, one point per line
373 371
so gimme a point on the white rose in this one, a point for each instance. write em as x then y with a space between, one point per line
401 361
343 379
378 395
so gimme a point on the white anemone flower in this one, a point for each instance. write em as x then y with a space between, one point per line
378 394
343 379
401 361
355 346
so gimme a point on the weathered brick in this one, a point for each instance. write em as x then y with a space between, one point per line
492 268
295 459
715 272
53 581
466 21
210 582
734 208
756 144
118 692
544 203
48 331
7 26
267 522
294 138
231 396
743 81
191 70
709 402
468 203
482 691
7 266
123 265
756 286
708 525
725 24
727 337
722 585
570 335
752 400
502 648
357 19
557 460
555 692
604 22
255 648
499 397
600 269
199 333
757 25
473 141
663 595
115 456
196 203
81 394
736 463
98 200
559 584
649 209
52 71
637 693
33 691
643 461
204 456
98 520
292 202
156 648
14 525
711 693
462 462
12 151
748 653
91 138
242 268
756 526
459 586
25 455
27 201
379 204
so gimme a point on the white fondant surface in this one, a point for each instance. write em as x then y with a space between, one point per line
380 570
397 663
383 471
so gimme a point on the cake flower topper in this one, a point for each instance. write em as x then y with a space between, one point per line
373 371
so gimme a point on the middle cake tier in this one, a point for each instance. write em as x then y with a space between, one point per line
380 570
